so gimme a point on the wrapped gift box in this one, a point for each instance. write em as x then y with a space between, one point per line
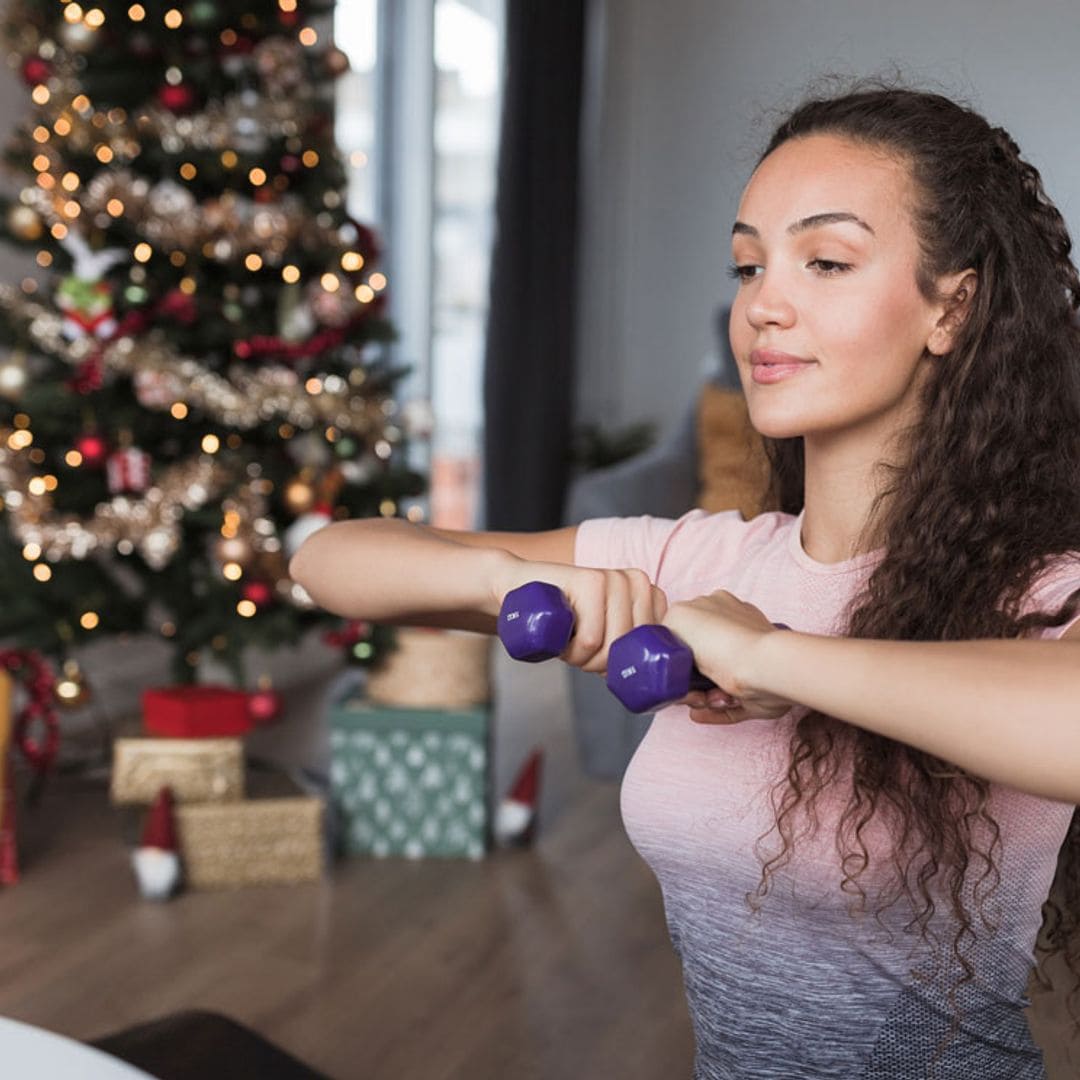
186 712
433 669
268 839
411 782
197 770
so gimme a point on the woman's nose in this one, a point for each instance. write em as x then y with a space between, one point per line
769 305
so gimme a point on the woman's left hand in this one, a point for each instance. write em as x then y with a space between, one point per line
724 633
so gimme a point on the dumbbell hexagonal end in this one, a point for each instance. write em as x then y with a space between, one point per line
649 667
535 622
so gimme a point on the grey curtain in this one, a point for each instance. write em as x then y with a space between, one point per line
529 360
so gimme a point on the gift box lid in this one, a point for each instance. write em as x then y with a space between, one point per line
196 710
361 714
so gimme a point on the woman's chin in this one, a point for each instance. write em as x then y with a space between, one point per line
771 424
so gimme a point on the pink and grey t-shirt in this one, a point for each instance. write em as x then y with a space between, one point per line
805 987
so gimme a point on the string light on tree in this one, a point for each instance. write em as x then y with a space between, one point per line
212 323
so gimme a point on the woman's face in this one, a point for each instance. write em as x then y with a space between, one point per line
829 328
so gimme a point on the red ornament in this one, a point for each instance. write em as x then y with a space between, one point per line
290 163
128 470
178 306
264 705
367 242
89 375
35 70
258 592
94 449
350 633
241 45
177 99
288 19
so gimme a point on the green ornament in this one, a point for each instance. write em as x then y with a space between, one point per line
136 294
232 312
345 447
203 13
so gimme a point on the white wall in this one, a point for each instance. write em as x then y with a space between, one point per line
674 122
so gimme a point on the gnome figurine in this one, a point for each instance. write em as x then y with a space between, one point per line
157 860
516 816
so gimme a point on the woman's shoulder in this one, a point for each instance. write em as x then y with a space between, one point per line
666 547
703 541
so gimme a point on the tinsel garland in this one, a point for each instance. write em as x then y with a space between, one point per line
242 401
238 121
170 217
150 524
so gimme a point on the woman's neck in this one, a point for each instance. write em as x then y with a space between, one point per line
841 484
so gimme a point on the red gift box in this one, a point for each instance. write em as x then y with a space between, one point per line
193 711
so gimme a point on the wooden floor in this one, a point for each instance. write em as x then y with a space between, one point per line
537 964
545 964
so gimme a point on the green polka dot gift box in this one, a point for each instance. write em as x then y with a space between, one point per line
411 782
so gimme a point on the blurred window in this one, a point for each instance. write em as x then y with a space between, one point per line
418 121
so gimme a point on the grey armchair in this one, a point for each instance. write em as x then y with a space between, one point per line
664 482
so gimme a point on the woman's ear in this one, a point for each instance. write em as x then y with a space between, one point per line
958 292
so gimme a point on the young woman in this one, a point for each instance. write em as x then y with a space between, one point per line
856 833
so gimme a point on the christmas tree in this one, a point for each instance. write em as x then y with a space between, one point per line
197 377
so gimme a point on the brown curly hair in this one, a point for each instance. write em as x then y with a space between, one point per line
987 494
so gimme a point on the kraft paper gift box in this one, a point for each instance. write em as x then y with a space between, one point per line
411 782
275 837
197 770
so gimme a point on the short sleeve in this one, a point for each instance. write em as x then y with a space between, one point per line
629 542
1054 586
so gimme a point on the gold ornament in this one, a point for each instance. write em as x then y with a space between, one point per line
235 549
13 375
23 221
78 36
71 689
336 61
299 494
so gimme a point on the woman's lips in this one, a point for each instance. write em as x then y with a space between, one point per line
772 366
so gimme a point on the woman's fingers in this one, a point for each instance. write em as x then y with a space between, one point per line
608 606
590 603
735 714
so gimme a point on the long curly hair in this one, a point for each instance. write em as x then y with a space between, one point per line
986 495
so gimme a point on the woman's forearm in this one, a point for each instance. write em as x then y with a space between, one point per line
1008 711
392 571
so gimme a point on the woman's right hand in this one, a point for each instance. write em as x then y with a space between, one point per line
606 604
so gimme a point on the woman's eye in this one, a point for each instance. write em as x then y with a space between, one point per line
743 271
829 267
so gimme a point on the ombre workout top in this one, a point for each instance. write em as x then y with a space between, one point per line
806 988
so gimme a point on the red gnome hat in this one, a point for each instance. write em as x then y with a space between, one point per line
515 818
160 828
156 861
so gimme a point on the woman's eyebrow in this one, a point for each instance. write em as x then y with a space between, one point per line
814 221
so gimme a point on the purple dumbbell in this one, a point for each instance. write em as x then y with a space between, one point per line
650 667
535 622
